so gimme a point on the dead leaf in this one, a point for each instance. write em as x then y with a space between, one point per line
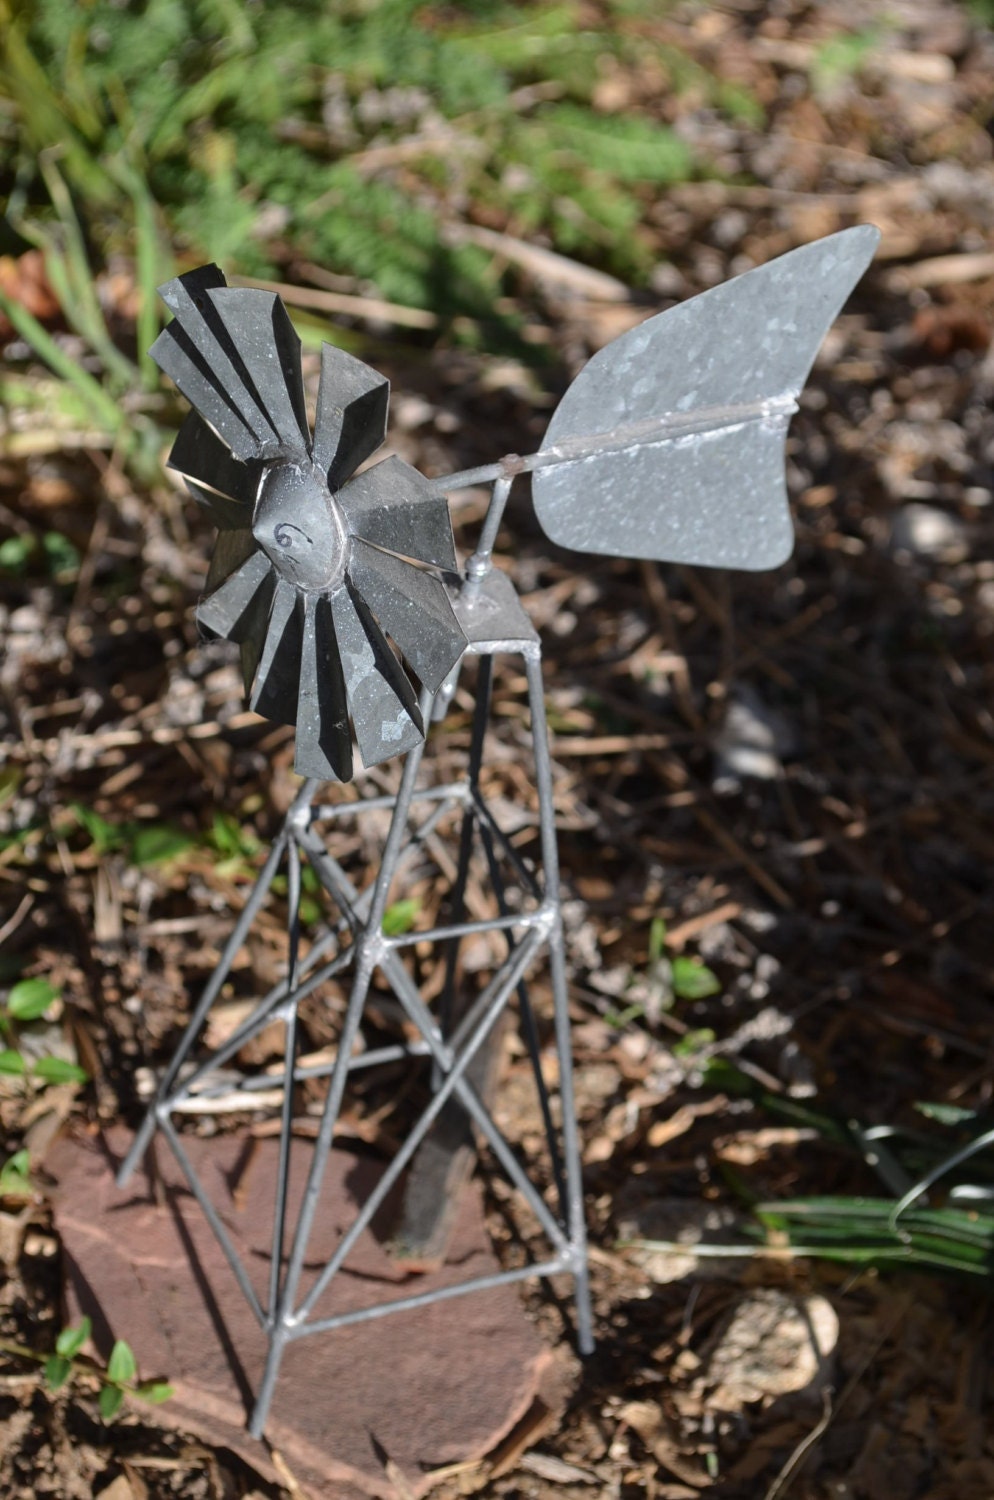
118 1489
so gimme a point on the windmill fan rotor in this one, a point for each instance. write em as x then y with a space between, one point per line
315 566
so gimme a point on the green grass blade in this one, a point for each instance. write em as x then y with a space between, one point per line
103 408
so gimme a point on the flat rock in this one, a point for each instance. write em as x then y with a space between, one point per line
416 1390
772 1345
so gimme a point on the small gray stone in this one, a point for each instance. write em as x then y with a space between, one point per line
751 742
926 531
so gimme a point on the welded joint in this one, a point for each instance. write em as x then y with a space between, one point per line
299 817
548 918
371 948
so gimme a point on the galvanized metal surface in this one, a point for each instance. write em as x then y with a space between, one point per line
678 426
669 445
312 566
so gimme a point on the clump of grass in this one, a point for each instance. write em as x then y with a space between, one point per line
356 134
936 1214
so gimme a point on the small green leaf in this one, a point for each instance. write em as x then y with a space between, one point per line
57 1070
945 1114
122 1365
105 836
657 939
692 980
157 844
400 917
310 911
621 1018
57 1371
14 1179
10 780
62 555
111 1397
71 1340
230 839
693 1042
12 1063
16 552
155 1392
30 998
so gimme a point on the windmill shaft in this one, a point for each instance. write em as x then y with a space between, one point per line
670 427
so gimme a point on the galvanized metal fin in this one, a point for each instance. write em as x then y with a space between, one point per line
324 740
351 419
250 629
197 320
199 454
385 715
264 345
178 293
278 676
231 548
678 426
179 357
412 607
225 514
223 610
392 506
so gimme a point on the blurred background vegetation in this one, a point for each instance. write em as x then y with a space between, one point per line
402 151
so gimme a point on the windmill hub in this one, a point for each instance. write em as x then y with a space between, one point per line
300 527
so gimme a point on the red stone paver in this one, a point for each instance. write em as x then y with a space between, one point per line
427 1387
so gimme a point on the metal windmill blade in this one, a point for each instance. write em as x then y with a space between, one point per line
669 444
314 566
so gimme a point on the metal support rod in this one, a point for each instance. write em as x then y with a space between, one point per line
403 986
440 1294
484 681
260 1017
454 791
550 863
211 991
526 876
367 953
665 428
530 1031
482 561
290 1053
255 1083
214 1219
503 923
415 1136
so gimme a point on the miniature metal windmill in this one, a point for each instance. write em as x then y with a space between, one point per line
669 445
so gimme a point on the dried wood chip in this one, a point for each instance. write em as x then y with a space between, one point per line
556 1470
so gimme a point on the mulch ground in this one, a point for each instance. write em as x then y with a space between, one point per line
842 896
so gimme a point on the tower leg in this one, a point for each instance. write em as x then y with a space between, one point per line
212 989
369 946
575 1221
